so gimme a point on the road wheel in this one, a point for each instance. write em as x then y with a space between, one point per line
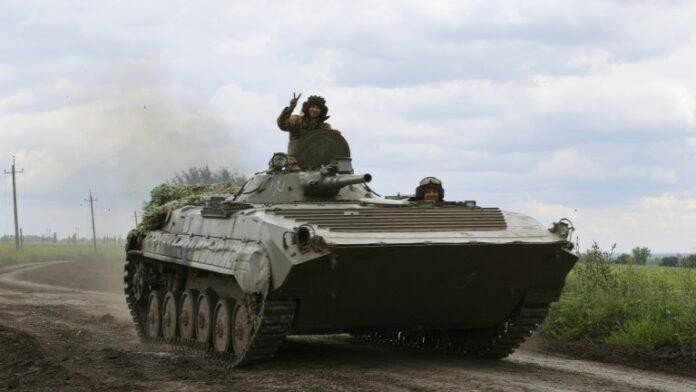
154 315
244 321
205 306
222 330
187 314
170 315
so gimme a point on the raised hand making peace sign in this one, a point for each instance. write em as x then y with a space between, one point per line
293 101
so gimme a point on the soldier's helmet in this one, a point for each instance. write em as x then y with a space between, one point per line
315 100
430 183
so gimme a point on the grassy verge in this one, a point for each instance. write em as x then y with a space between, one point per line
638 307
48 252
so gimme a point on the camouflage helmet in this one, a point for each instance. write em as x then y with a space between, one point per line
315 100
430 183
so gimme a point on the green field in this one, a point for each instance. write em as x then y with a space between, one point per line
641 307
60 251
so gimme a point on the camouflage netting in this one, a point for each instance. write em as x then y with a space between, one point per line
167 197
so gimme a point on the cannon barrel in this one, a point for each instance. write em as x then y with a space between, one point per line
330 185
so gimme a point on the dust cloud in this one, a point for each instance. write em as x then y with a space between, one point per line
119 140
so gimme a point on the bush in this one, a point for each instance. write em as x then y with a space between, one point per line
688 261
640 255
647 333
669 261
594 269
583 317
626 305
624 258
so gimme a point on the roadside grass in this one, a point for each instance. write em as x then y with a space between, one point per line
641 307
59 251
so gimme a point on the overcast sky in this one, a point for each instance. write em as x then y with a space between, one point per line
584 109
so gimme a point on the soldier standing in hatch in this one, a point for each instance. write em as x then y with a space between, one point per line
429 190
312 118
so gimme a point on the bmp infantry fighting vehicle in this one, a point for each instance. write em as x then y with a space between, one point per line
316 251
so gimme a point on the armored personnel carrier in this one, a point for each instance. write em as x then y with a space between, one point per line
316 251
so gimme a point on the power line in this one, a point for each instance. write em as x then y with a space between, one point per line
14 201
91 201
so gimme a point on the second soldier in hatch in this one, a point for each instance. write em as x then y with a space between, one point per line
429 190
312 118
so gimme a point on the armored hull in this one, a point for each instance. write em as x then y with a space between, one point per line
292 255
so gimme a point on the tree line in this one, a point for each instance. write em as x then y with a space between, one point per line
204 175
53 239
641 255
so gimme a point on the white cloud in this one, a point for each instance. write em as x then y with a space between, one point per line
552 212
670 203
588 104
618 100
138 137
568 162
665 223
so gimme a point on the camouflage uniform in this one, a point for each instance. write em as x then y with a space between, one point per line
300 125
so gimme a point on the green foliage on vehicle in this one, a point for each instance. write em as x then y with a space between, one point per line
167 197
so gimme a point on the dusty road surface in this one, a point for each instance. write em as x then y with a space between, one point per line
64 327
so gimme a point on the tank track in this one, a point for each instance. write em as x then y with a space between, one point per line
274 324
493 343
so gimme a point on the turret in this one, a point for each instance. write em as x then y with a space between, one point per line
280 185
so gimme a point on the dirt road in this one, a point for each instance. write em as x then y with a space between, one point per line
64 327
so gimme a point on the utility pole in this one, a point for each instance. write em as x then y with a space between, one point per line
135 216
91 201
14 198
